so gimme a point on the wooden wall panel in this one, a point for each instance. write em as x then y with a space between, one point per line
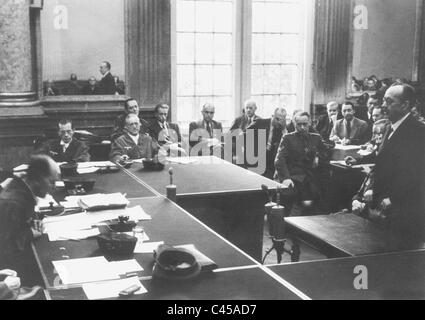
148 50
331 50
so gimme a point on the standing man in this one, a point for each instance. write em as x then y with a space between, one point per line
133 144
326 122
107 83
297 163
206 133
66 148
350 130
399 173
248 118
18 224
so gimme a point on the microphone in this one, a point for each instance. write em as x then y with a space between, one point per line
267 192
171 188
277 215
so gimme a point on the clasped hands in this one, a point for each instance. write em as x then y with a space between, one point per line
12 281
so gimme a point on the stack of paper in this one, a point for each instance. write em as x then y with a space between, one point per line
181 160
341 147
83 225
103 201
75 271
111 289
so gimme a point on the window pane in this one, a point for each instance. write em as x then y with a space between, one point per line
185 48
223 16
290 17
223 48
290 48
273 17
223 108
288 79
272 79
260 102
185 15
258 48
273 47
270 104
222 80
204 80
185 81
258 17
204 17
185 108
257 76
289 102
204 48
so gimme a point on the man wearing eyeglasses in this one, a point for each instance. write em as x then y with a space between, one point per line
206 133
66 148
133 144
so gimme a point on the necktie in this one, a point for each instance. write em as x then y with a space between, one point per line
209 129
348 127
63 148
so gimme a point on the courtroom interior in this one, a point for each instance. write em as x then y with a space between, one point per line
212 149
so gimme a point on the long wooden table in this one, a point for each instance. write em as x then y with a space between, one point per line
384 277
227 198
169 223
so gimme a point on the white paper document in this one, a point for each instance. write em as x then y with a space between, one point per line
75 271
87 170
22 167
181 160
341 147
65 235
111 289
147 247
124 267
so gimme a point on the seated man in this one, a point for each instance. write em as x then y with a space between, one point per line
291 125
130 107
248 118
91 87
50 89
372 102
205 135
66 148
18 222
350 130
326 122
133 144
297 163
166 134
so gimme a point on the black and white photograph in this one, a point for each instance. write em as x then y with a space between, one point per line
212 154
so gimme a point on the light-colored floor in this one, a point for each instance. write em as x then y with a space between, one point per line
307 253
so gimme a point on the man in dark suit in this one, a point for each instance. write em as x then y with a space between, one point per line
275 129
19 225
66 148
205 136
297 164
248 118
107 83
326 122
399 173
91 87
133 144
165 133
350 130
130 107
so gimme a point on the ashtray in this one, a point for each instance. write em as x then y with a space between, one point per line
78 187
68 169
117 244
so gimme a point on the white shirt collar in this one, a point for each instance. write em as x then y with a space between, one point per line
66 145
396 125
135 138
106 74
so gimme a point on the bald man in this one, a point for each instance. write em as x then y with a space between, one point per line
18 223
248 118
207 131
107 83
399 173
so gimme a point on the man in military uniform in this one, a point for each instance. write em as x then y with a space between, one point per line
133 144
300 156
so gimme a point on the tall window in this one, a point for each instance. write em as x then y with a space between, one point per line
227 51
205 39
275 71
